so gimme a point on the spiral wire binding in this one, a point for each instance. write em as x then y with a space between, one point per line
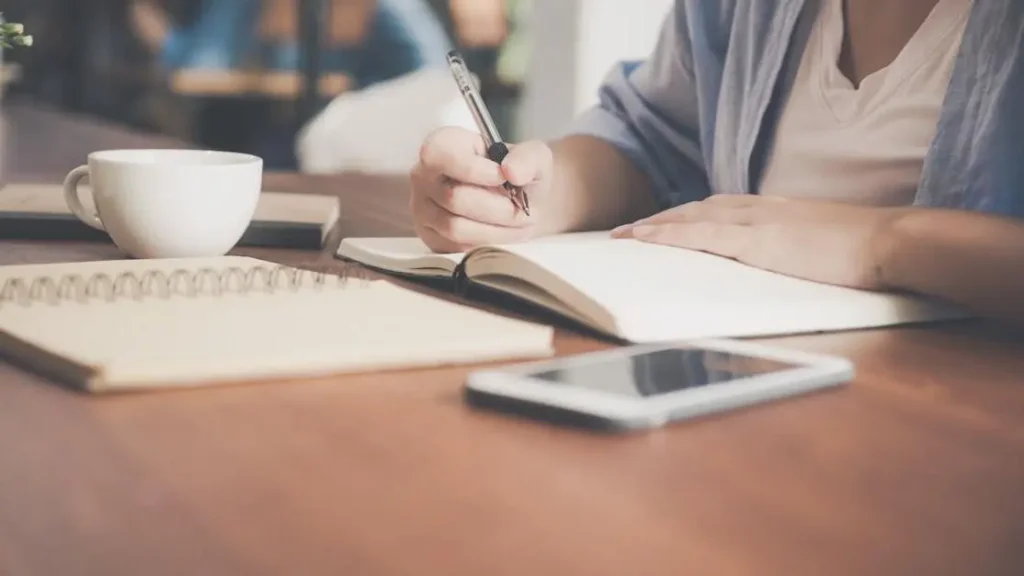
180 282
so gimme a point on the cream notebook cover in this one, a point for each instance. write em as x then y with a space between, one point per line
643 292
118 325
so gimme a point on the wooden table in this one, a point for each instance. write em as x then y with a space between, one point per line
917 468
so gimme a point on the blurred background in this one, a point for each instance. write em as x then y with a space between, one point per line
321 85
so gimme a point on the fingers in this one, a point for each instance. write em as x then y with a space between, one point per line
445 231
726 213
527 163
458 154
740 209
693 213
728 240
742 199
723 226
485 205
458 199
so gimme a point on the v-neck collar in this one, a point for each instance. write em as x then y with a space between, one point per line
838 92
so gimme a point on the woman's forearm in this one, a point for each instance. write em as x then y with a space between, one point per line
970 259
595 187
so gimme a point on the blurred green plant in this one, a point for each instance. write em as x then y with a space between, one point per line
13 34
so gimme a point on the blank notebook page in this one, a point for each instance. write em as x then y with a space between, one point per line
659 291
616 271
355 325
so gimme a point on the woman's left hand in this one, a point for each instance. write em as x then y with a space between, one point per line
830 242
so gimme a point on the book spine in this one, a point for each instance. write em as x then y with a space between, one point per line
460 279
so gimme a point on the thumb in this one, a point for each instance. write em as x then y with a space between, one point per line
527 163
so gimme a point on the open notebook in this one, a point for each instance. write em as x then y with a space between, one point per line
119 325
642 292
30 211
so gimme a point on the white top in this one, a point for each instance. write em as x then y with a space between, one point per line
864 144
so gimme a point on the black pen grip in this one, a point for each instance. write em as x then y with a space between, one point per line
497 152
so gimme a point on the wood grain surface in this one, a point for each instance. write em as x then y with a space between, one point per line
916 468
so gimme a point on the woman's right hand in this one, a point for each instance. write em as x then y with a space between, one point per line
458 202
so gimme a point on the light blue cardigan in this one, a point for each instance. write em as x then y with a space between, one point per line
698 115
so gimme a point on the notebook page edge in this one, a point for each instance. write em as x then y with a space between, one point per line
521 278
407 255
528 253
870 312
522 351
37 359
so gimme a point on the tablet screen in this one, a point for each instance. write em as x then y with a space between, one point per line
661 371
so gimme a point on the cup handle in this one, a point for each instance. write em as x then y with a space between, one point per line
75 203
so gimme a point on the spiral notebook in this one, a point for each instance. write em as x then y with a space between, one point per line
143 324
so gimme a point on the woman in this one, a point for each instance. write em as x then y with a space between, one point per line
867 143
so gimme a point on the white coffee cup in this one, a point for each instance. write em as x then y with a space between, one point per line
169 203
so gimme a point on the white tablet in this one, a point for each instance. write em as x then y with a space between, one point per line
646 386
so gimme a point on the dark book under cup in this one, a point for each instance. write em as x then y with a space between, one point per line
282 220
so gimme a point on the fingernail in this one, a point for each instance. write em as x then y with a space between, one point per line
508 171
621 230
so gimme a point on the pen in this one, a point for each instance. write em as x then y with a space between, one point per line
496 149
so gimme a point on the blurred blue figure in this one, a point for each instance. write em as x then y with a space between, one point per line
221 38
404 36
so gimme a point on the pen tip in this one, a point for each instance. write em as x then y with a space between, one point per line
523 200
